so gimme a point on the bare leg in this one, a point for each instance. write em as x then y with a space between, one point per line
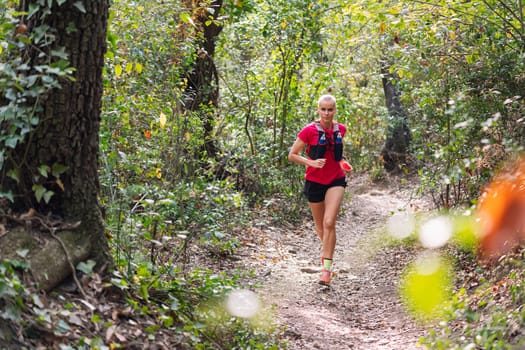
332 204
325 215
318 216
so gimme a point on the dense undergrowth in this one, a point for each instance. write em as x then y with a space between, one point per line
486 311
171 281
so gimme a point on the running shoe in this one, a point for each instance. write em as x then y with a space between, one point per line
325 277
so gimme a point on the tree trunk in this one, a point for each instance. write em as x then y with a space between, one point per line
394 152
202 92
66 139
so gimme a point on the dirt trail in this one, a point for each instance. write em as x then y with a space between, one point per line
361 310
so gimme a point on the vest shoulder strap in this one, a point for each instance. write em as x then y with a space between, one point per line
320 128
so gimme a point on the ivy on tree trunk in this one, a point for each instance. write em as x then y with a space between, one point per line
61 154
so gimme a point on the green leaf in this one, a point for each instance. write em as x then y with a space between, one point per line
80 6
17 264
71 28
8 195
12 141
86 267
39 191
22 252
62 327
34 120
186 18
13 174
61 53
57 169
43 170
120 283
42 193
48 195
33 8
96 318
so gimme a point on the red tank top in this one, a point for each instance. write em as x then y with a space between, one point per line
332 170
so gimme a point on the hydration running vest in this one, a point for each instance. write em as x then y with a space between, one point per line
318 151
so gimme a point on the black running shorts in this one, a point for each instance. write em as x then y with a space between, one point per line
316 192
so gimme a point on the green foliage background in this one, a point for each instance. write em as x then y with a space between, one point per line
460 71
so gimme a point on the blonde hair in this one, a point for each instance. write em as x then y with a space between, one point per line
326 97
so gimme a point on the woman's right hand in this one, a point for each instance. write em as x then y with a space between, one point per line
317 163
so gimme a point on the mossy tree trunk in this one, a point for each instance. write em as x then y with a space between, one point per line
66 140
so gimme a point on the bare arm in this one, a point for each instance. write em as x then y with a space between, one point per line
295 156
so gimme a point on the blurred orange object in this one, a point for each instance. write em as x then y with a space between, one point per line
345 165
501 212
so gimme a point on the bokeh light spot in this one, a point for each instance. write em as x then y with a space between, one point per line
465 232
500 212
401 225
243 303
436 232
426 286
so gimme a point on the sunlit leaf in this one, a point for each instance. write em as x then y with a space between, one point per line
382 28
186 18
162 120
60 184
118 70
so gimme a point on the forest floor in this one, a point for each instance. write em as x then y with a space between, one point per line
361 309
